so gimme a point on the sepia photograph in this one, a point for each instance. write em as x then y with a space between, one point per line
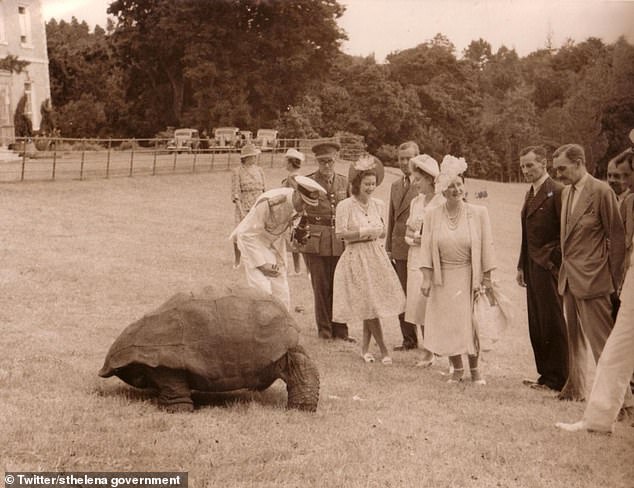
317 243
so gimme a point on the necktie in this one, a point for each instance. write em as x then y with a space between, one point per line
529 198
571 199
406 183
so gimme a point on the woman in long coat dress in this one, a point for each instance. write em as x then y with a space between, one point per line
457 258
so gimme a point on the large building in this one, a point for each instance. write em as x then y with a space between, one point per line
22 35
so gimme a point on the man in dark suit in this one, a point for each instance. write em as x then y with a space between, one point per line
323 249
538 268
593 249
401 195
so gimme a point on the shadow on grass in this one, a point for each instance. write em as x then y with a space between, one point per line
272 397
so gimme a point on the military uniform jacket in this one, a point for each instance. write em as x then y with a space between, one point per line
541 226
261 234
321 218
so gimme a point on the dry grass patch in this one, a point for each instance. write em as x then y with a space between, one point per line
81 260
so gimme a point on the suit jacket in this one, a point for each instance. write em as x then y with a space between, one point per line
592 243
541 225
482 252
322 236
398 213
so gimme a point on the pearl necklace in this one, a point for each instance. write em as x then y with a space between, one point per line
453 220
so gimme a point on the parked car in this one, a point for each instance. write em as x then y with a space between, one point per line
184 140
226 136
266 139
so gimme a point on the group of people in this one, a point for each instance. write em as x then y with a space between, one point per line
425 259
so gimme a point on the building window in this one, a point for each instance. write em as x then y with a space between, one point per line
25 25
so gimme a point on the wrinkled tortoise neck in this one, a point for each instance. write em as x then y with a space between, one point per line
302 379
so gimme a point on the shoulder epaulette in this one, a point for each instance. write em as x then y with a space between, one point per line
276 200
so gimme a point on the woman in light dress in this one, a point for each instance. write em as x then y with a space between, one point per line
366 286
294 160
456 258
424 170
247 184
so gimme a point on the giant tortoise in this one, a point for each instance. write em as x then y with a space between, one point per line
214 341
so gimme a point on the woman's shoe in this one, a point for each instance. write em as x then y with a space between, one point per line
387 360
456 376
476 378
368 357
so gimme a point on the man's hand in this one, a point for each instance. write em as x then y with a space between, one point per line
425 288
270 270
520 278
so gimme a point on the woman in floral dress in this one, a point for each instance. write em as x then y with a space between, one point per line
247 184
366 286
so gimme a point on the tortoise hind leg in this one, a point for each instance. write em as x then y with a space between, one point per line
174 392
302 379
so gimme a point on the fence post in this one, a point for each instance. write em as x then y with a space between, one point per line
154 159
211 167
54 162
229 159
194 164
132 157
108 158
174 167
83 156
23 159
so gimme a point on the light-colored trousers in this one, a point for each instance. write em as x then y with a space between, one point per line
277 286
611 387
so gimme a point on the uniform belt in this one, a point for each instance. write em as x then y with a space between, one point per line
315 220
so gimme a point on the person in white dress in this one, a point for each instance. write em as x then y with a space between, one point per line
366 287
424 171
260 236
456 259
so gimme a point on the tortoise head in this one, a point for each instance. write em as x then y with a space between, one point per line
302 379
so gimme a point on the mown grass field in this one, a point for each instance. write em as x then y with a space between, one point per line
81 260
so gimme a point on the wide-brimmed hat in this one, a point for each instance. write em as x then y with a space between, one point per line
426 164
327 149
293 153
249 150
307 188
368 162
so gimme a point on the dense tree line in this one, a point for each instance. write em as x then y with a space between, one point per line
253 63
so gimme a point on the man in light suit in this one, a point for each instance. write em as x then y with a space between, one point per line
538 268
593 248
402 193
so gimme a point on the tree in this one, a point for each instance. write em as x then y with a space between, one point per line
251 57
22 122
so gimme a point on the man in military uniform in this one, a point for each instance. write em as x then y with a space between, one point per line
261 235
401 195
323 249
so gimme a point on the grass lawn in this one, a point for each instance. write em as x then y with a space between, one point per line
82 260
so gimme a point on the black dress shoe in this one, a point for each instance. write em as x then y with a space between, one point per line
405 347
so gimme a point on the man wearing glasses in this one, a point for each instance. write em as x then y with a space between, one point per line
323 249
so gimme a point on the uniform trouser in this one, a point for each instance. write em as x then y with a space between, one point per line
611 388
322 275
408 330
276 286
546 326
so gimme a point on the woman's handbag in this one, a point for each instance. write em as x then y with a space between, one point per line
491 315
